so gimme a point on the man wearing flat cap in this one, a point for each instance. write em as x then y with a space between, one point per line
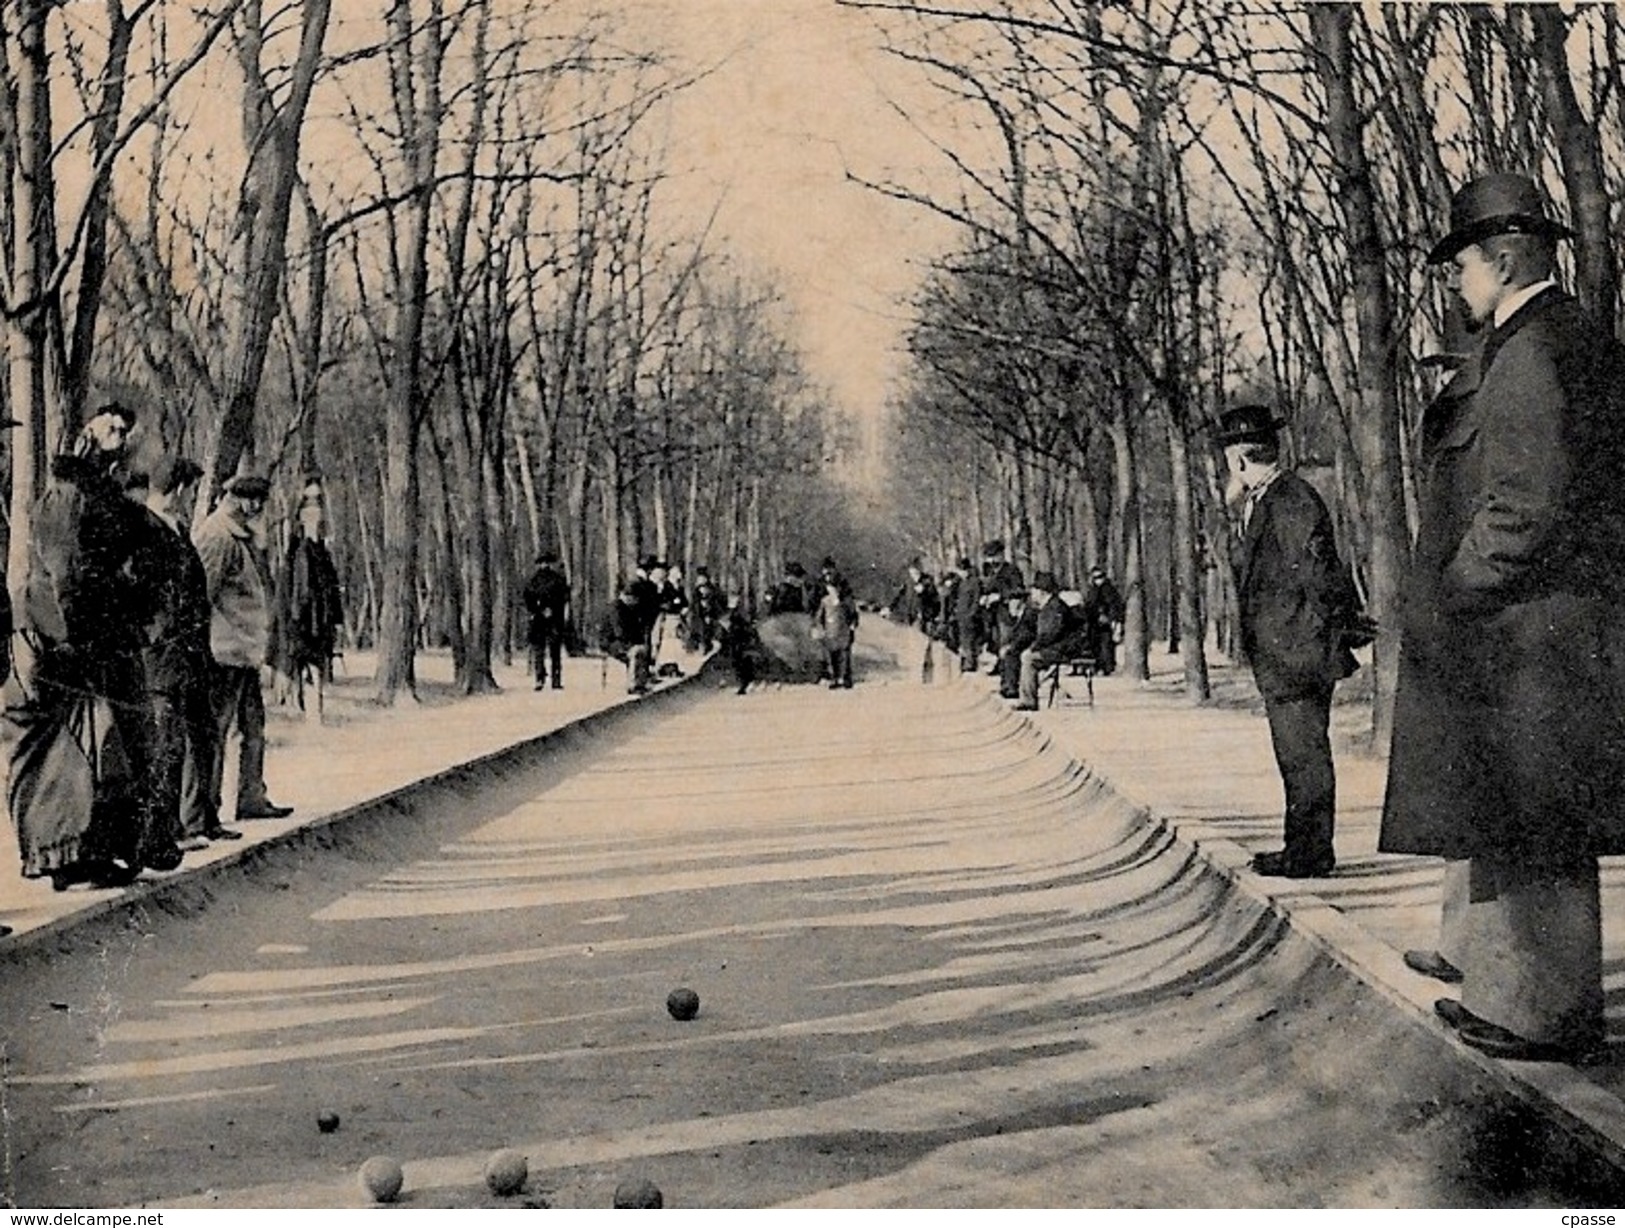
1295 599
239 639
1509 737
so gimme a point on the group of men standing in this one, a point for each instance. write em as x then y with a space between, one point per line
1508 751
653 621
138 650
995 610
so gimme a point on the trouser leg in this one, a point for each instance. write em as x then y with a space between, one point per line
555 654
168 766
199 807
1453 911
637 664
223 704
1029 677
251 791
1303 752
1532 961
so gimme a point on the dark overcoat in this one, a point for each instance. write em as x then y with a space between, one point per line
547 601
1295 596
1509 724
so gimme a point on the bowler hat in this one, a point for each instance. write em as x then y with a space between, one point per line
993 549
1247 424
1045 582
249 486
1495 205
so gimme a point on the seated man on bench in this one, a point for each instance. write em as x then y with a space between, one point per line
1058 636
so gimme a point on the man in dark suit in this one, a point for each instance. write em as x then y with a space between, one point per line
1509 738
1295 600
547 601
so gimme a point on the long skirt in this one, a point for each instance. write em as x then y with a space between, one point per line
73 792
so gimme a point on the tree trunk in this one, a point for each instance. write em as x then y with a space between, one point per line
420 120
1136 631
271 132
33 199
1378 433
93 265
1580 149
1187 567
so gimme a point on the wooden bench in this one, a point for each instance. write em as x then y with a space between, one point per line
1078 665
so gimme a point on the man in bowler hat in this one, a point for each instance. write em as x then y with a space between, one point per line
1509 735
1295 599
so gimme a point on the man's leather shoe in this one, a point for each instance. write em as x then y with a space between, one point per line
1431 963
163 859
1025 708
264 810
1452 1012
1279 865
219 832
1496 1041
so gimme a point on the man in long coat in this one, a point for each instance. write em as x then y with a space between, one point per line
967 614
239 640
1509 740
76 789
315 599
1295 599
176 662
547 601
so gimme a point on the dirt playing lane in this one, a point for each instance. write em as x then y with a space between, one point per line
938 965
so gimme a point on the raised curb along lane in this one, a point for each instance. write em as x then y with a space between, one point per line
1206 775
50 925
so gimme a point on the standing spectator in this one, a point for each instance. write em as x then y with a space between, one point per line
917 603
177 663
315 599
547 601
1056 629
706 611
790 595
967 615
669 629
946 627
837 620
1294 601
1509 739
1103 620
740 642
1421 705
239 635
79 702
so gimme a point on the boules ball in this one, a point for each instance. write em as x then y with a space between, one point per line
683 1004
505 1171
640 1194
327 1121
381 1177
